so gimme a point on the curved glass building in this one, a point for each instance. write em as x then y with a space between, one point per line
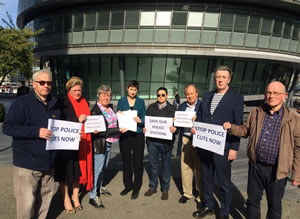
166 43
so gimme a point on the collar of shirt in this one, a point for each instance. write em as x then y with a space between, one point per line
278 112
40 100
162 106
192 105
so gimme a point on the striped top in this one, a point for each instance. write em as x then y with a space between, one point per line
215 101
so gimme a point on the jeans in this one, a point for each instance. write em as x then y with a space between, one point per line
100 163
156 150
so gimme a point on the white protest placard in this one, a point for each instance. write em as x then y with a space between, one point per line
184 119
210 137
94 123
125 119
158 127
65 135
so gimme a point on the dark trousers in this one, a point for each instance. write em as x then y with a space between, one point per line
212 163
132 152
156 150
262 177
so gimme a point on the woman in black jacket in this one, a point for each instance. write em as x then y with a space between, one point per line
102 142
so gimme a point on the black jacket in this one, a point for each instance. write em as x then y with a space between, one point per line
99 139
23 122
168 111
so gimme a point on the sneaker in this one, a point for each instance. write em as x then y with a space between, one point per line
96 202
105 192
150 192
164 195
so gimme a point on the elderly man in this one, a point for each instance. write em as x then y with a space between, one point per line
27 122
273 150
217 107
190 162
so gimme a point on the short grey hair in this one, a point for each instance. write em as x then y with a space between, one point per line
223 68
103 89
42 71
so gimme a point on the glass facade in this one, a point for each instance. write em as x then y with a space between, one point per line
208 26
173 72
148 36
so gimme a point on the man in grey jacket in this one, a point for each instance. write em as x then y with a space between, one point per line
273 150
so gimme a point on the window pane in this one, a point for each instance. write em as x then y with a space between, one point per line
117 18
277 28
106 69
200 74
179 18
147 18
238 73
130 68
172 71
226 21
161 36
146 35
115 69
163 18
195 19
58 24
103 19
296 32
78 22
90 21
186 70
254 24
144 90
266 26
144 69
287 30
211 19
158 69
240 23
132 18
67 22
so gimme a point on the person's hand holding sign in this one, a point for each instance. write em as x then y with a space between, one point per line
45 133
227 125
172 129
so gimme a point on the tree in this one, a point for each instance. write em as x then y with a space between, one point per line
16 50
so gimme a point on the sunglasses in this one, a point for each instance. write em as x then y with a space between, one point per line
161 95
42 83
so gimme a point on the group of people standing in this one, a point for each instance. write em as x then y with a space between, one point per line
273 148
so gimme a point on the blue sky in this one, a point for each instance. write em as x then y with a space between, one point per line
11 6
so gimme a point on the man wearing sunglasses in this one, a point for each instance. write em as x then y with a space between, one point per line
160 147
27 122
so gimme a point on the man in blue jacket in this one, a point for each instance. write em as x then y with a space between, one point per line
27 122
190 162
217 107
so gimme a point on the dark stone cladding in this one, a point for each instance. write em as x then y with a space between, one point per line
39 9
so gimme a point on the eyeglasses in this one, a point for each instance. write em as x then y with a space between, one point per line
276 94
42 83
161 95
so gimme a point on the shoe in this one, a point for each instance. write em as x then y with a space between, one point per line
70 211
134 195
77 208
150 192
200 205
164 195
224 217
202 213
96 202
183 199
105 192
125 191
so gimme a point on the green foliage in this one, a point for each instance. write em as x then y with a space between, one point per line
2 112
16 51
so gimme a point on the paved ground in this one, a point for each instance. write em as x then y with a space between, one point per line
144 207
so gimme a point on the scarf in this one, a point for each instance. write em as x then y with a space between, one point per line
85 145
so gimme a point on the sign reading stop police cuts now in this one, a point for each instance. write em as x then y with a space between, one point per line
210 137
65 135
